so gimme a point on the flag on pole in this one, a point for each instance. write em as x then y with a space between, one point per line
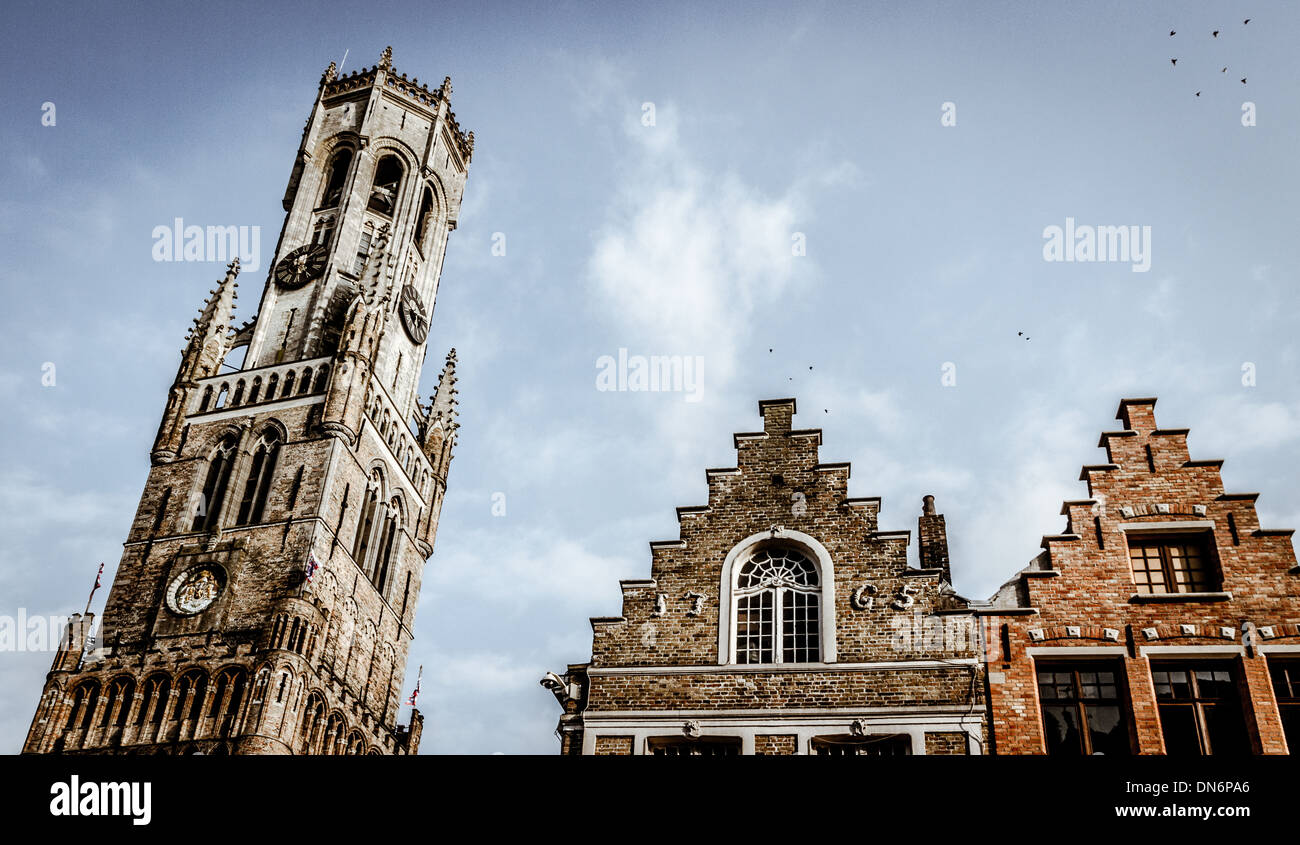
416 693
98 583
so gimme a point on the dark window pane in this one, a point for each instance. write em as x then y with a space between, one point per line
1291 726
1178 724
1061 727
1224 729
1106 730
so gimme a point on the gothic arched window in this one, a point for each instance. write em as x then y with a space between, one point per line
313 723
388 539
338 175
207 510
83 705
365 527
252 506
383 191
228 693
158 691
422 220
190 689
777 601
120 694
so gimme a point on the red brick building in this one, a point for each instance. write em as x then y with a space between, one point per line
783 620
1163 620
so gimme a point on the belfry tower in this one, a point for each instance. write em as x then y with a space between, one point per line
265 597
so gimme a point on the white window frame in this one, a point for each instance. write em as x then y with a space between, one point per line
739 554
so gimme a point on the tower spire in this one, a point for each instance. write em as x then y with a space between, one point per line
208 339
206 346
440 426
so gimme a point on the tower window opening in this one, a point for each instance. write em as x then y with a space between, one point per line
208 508
338 175
422 221
258 486
383 191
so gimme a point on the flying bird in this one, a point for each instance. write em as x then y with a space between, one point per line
1171 33
1215 33
1225 70
1173 61
1198 93
1246 21
1243 80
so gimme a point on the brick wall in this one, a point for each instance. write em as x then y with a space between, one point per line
1080 593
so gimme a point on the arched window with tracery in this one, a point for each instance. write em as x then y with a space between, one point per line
252 506
777 600
207 510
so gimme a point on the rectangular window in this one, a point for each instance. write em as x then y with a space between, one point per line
892 745
1172 564
724 746
1083 709
1200 708
1286 687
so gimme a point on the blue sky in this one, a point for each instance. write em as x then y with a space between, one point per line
924 247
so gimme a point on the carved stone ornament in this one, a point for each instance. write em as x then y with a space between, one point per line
691 728
697 603
864 597
195 589
414 318
303 265
858 727
905 599
661 605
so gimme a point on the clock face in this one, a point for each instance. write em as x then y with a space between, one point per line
301 266
414 320
194 590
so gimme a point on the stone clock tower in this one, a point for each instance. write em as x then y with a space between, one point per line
265 597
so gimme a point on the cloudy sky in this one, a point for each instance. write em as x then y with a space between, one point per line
820 123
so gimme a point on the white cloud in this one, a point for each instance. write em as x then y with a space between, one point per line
528 567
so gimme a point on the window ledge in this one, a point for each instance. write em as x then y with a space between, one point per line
1157 598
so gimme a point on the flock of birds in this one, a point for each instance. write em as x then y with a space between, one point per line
1173 62
1214 34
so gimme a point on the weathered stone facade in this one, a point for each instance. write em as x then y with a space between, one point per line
1164 618
783 620
266 593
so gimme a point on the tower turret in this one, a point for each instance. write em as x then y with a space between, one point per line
206 346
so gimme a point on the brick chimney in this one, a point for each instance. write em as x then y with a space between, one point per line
933 535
